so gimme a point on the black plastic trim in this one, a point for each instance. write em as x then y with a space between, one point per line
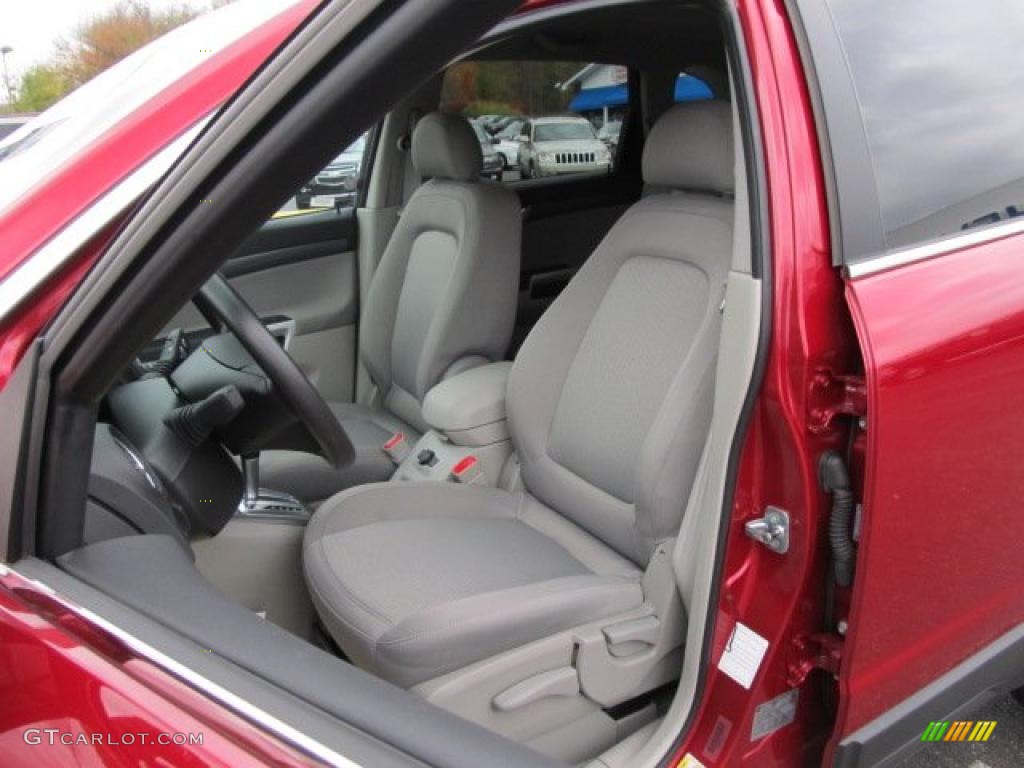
249 263
995 670
16 403
855 211
314 226
556 197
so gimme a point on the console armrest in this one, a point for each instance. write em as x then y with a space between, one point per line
469 408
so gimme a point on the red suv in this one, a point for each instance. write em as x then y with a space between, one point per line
707 459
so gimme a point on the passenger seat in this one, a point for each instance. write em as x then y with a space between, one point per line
442 300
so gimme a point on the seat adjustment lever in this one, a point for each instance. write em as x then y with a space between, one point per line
633 636
555 682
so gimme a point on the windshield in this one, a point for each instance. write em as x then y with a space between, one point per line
69 126
512 130
573 131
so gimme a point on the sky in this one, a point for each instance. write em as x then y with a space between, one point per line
31 27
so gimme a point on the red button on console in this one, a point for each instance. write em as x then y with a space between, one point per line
463 465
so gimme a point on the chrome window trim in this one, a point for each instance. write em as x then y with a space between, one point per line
49 258
240 706
928 250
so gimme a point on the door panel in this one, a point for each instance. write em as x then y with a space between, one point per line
939 570
564 220
299 274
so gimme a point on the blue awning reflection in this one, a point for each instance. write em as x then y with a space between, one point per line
688 88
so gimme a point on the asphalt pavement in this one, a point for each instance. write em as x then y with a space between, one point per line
1004 749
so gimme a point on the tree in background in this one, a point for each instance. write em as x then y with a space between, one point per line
95 45
41 86
107 38
508 87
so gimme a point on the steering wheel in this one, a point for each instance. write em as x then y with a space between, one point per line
218 299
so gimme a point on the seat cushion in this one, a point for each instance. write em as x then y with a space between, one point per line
311 478
414 580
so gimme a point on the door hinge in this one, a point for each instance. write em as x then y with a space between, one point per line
772 530
830 395
810 652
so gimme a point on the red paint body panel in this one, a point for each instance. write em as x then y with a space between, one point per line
940 573
59 672
17 334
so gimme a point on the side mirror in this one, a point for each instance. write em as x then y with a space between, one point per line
495 140
522 138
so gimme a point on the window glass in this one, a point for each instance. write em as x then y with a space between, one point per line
540 119
512 130
67 128
336 186
939 91
563 130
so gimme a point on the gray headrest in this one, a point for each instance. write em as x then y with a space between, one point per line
444 146
690 147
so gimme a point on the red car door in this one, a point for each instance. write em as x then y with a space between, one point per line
939 576
928 185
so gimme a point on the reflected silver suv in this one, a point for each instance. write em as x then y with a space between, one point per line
552 146
336 184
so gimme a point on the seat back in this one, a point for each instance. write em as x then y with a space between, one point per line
443 298
610 396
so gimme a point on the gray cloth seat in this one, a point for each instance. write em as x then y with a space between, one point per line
442 300
609 403
417 581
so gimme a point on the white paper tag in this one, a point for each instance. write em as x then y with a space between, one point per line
743 655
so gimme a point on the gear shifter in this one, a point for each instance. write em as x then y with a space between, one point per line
261 502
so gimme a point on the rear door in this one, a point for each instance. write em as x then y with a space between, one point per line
928 190
299 273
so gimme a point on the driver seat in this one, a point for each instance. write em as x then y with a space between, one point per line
441 301
533 610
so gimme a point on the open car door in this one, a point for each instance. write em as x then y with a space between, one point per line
937 620
926 229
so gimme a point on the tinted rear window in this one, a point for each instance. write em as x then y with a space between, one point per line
940 88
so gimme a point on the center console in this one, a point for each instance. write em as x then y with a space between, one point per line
469 440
